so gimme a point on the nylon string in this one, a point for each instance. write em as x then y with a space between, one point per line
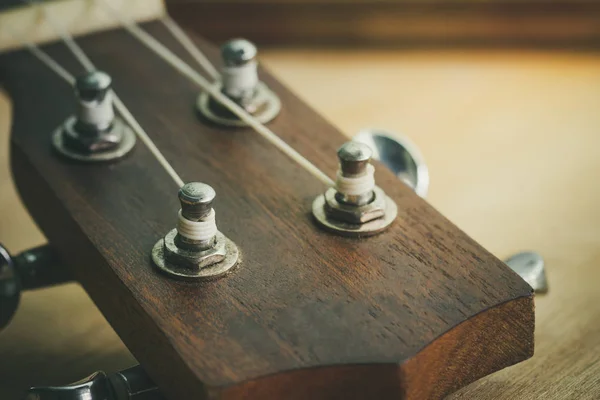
148 40
89 66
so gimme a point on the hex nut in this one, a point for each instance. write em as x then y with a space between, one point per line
66 141
80 141
263 106
192 259
355 214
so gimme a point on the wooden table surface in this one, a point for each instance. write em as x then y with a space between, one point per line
512 140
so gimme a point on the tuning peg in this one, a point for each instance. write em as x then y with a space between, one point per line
355 163
240 76
241 84
130 384
32 269
94 133
355 206
195 249
531 267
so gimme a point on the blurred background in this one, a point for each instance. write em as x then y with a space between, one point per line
547 23
502 97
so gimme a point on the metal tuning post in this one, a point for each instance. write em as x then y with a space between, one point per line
195 249
130 384
240 82
32 269
355 206
94 133
399 155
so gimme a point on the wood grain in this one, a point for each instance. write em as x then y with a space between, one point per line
511 141
405 289
537 195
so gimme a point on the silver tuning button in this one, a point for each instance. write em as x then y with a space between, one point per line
399 155
240 83
531 267
129 384
32 269
94 133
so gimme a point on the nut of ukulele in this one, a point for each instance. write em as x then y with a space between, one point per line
195 249
355 206
94 133
239 82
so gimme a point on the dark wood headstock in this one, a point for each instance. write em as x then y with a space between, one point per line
415 312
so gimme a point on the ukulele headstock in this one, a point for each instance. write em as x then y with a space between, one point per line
416 311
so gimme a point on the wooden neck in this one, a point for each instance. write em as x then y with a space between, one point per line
414 312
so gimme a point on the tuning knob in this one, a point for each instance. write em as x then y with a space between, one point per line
32 269
94 387
531 267
10 288
130 384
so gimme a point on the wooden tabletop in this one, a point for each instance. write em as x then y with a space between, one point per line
512 140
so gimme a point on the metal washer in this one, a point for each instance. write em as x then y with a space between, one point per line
211 272
273 106
354 230
126 145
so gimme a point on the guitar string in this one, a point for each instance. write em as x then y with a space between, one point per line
89 66
167 55
187 44
187 71
42 56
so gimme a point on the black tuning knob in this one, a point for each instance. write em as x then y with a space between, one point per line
32 269
129 384
10 288
94 387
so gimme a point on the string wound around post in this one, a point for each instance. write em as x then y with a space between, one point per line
195 249
94 133
355 206
240 83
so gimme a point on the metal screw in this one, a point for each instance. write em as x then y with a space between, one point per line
238 52
196 200
354 158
